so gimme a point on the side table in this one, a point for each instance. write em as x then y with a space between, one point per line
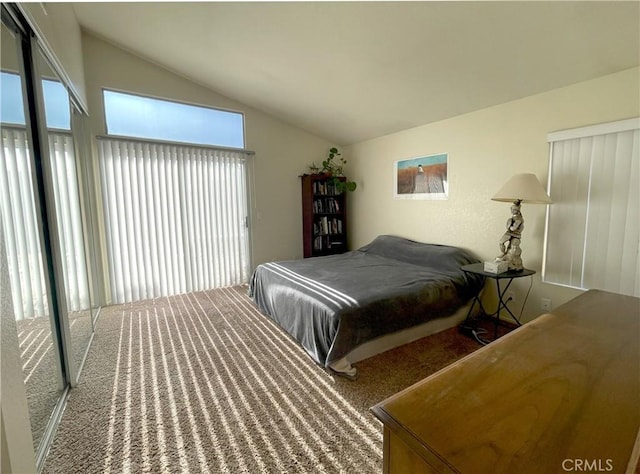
509 276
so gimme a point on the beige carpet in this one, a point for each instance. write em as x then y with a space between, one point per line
41 376
204 383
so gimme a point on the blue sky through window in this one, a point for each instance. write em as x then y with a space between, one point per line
56 102
56 105
144 117
11 105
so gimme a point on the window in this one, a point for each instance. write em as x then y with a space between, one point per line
174 197
56 105
135 116
593 231
11 109
56 102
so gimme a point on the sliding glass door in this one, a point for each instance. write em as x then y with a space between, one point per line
175 217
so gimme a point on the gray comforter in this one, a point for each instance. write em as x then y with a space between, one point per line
332 304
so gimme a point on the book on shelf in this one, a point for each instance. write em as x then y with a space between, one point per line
328 226
328 205
322 243
326 188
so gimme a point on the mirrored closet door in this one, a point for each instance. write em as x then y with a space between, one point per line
27 260
46 215
64 141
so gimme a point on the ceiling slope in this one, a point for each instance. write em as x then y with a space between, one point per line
351 71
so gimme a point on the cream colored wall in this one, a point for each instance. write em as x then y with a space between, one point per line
59 33
282 151
485 149
16 447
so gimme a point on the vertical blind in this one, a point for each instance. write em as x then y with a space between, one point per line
175 218
20 222
593 225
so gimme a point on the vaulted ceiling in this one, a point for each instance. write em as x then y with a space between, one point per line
351 71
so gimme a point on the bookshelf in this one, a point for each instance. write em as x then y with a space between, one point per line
324 217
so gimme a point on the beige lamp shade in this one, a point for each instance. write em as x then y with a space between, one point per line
523 187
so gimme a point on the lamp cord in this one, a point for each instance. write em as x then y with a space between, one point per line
525 299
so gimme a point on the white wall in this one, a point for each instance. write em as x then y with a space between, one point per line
58 31
283 152
485 149
16 450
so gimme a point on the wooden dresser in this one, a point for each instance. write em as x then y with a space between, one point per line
559 394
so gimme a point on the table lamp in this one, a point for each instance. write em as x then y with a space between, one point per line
523 187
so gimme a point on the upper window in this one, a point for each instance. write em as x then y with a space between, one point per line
56 102
144 117
12 109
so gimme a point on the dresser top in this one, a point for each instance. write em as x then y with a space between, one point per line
565 386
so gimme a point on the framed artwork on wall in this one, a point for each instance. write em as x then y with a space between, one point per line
423 177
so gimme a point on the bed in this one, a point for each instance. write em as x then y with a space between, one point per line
333 305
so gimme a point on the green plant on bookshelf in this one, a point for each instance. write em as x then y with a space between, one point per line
333 165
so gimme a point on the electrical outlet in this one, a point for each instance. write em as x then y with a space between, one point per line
545 304
511 296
